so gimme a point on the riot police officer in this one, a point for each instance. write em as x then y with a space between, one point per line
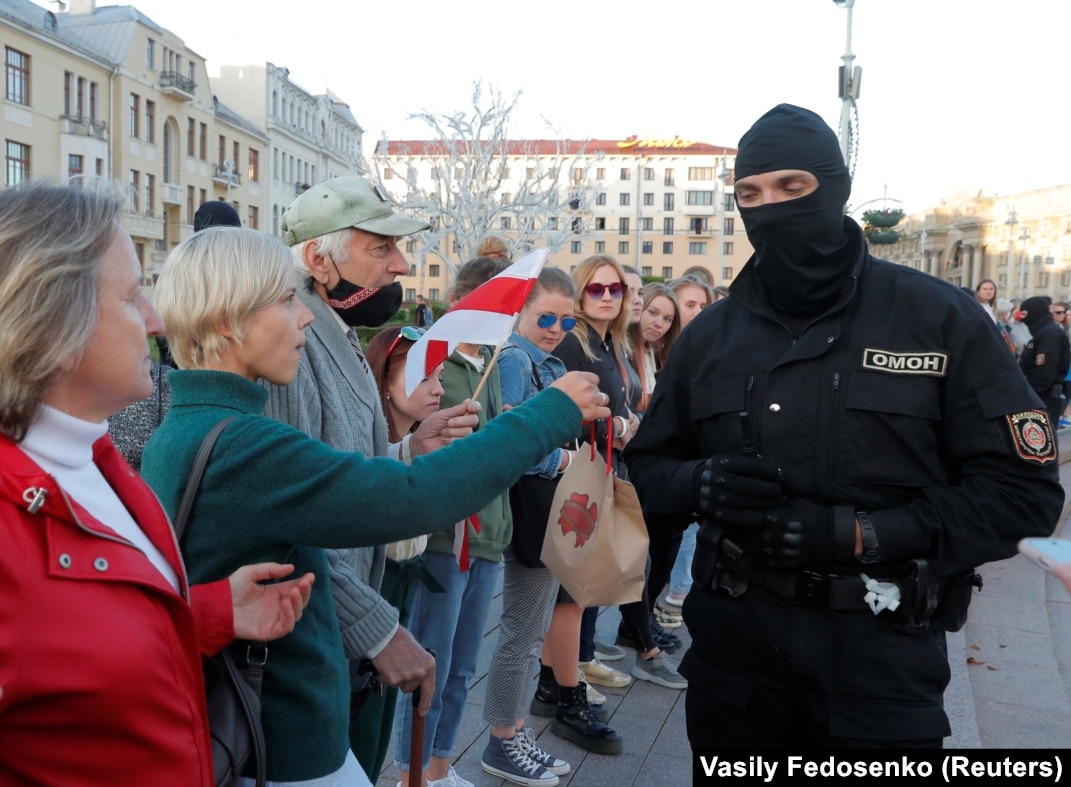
856 439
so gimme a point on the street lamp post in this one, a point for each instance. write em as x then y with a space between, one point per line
848 88
1024 236
1011 222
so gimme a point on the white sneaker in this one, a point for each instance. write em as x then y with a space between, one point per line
451 779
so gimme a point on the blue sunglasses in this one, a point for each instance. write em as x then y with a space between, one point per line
545 321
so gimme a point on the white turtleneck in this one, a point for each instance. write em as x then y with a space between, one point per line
63 446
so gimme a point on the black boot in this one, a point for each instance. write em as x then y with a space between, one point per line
545 701
575 722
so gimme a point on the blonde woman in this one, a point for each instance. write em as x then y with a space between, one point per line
229 299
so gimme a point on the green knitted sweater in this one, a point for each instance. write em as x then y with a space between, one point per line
271 492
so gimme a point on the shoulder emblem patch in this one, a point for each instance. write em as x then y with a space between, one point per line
1032 435
929 363
1039 359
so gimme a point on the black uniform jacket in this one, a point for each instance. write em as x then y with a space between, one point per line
902 400
1045 360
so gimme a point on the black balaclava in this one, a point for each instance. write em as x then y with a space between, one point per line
800 244
364 306
1037 313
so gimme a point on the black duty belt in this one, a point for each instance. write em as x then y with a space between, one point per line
813 588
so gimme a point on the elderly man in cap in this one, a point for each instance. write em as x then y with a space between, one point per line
856 438
344 238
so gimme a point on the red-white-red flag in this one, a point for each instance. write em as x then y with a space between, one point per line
484 316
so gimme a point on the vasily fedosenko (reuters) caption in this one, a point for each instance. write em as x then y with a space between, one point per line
942 766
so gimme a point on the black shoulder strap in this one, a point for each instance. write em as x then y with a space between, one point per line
196 473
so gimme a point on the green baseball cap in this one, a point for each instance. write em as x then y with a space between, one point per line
349 201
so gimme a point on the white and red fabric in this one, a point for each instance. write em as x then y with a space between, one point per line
484 316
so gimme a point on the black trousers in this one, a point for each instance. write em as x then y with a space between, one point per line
766 673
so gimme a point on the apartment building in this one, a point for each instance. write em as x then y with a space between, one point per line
108 92
664 206
309 137
1020 241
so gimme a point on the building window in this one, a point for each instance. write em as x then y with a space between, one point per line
622 247
697 247
647 224
135 190
728 273
574 247
668 180
667 247
578 175
730 201
190 210
648 247
667 272
600 173
433 294
18 76
699 197
68 78
236 158
552 223
667 226
433 269
18 163
600 223
100 168
506 171
191 137
623 198
667 201
727 247
203 193
410 293
626 173
74 166
648 173
648 198
254 217
150 54
506 222
507 198
150 121
410 247
221 150
202 143
622 225
696 225
600 247
700 173
729 227
135 114
600 198
93 101
191 69
254 166
646 270
150 193
578 225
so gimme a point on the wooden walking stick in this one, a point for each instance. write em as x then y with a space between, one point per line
416 745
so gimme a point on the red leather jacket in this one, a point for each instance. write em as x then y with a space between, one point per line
100 658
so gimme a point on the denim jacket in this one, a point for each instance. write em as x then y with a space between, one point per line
518 384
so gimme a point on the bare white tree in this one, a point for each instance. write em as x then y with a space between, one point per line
470 180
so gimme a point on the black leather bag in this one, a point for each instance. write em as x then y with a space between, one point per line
232 694
529 501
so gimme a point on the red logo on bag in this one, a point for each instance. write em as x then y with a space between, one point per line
578 517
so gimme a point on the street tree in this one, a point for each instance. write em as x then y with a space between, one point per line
469 179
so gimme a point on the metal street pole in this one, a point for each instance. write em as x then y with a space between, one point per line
1024 236
848 83
723 176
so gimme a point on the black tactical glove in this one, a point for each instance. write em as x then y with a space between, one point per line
729 484
801 535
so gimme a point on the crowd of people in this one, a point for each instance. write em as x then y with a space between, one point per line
784 437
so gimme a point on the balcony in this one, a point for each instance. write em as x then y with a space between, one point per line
172 194
225 176
83 127
140 226
172 83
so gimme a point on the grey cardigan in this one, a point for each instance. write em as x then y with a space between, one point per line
336 401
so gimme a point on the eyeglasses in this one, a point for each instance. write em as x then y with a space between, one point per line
596 290
409 333
1058 311
545 321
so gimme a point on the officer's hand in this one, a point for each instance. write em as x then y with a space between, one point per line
800 535
735 490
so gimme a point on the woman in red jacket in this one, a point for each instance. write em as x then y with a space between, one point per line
101 638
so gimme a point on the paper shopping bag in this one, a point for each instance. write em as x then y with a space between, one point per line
596 541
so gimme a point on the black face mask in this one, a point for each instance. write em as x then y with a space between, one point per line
364 306
802 256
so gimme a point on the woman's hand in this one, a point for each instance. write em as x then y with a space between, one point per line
583 389
263 612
